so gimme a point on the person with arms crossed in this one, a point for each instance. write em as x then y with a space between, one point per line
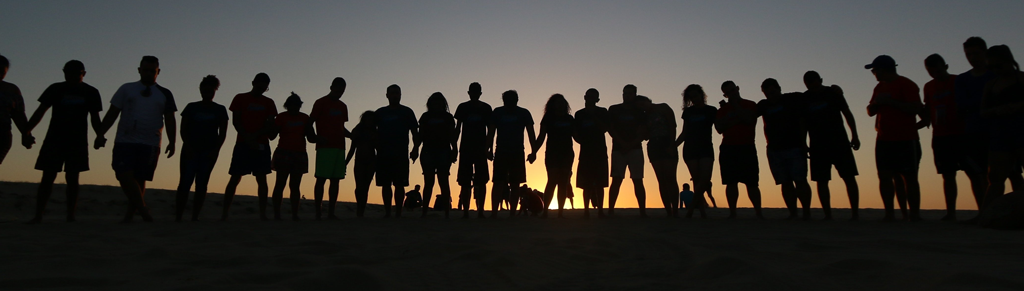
472 118
204 126
394 124
736 120
66 145
329 114
252 116
506 127
144 108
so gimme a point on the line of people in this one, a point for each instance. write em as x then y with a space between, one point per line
977 119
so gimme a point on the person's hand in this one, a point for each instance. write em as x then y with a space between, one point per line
855 143
531 158
490 154
722 103
413 155
455 155
99 143
28 140
170 150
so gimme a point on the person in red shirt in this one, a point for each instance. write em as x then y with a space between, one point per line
896 105
329 114
948 139
737 156
290 159
252 116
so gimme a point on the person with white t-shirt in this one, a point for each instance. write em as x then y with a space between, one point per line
144 108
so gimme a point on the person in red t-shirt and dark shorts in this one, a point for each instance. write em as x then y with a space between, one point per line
251 115
737 158
896 105
949 144
290 159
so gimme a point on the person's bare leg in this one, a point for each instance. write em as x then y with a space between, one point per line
641 195
318 197
181 197
446 193
229 194
465 194
386 194
803 191
613 194
428 190
789 196
295 192
513 199
901 194
825 197
1016 182
332 198
399 198
362 194
597 199
261 192
480 194
979 184
278 196
886 189
133 190
43 195
549 192
71 178
202 182
950 192
913 195
732 195
853 190
563 189
498 190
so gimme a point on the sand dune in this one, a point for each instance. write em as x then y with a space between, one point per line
528 253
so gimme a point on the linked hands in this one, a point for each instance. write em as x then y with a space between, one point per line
100 142
532 157
27 140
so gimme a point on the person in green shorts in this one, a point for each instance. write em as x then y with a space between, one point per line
329 114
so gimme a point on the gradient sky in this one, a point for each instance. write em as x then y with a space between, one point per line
536 47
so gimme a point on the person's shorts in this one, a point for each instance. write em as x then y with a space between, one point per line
393 169
5 145
898 156
510 167
55 156
738 164
824 157
788 165
634 160
246 160
559 166
662 151
292 162
330 163
140 159
436 161
197 160
592 169
473 168
950 154
700 169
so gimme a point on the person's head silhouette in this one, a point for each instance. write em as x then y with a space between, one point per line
884 68
338 86
643 102
694 95
730 90
417 188
475 91
974 50
208 87
686 187
74 71
592 96
1001 61
5 64
260 83
394 94
771 88
628 93
149 68
510 98
293 103
368 119
812 80
437 103
936 66
556 105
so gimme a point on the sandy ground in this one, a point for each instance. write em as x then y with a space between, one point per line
526 253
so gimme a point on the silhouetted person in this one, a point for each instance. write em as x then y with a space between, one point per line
1003 106
698 151
969 88
12 108
686 198
627 129
204 126
412 199
473 117
786 134
66 146
394 124
507 125
144 108
290 160
737 158
592 170
661 150
825 108
252 116
896 103
949 141
329 114
364 149
437 134
557 124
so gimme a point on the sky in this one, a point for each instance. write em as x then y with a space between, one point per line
535 47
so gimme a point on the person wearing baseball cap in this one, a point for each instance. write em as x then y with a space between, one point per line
895 104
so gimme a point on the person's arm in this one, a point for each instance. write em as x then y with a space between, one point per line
185 129
351 151
850 121
490 141
18 116
108 121
172 133
416 143
682 136
222 133
455 145
27 140
535 145
310 132
533 140
271 128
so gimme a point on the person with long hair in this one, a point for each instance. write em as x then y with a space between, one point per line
698 150
592 170
364 149
437 129
1003 105
558 156
661 150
